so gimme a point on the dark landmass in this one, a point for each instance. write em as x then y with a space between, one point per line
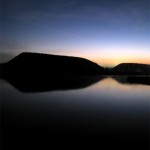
131 69
34 65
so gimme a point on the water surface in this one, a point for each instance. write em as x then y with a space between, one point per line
108 109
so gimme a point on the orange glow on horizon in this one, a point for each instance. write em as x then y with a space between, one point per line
111 62
113 58
110 59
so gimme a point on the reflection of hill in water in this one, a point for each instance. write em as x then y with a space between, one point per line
53 83
32 85
145 80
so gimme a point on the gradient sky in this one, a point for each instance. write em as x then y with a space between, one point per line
107 32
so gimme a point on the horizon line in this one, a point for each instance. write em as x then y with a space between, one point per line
106 65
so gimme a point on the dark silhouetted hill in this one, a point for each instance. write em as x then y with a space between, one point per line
32 65
131 69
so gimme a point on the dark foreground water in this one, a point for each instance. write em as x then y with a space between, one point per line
112 109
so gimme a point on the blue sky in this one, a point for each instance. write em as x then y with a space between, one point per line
105 31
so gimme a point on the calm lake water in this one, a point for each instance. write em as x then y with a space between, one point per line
107 108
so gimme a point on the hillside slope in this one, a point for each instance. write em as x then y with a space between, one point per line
131 69
44 65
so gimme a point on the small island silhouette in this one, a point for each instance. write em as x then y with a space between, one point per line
34 72
131 69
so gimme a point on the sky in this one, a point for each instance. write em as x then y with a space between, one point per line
107 32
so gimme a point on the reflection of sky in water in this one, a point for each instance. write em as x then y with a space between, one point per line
110 87
107 93
106 88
